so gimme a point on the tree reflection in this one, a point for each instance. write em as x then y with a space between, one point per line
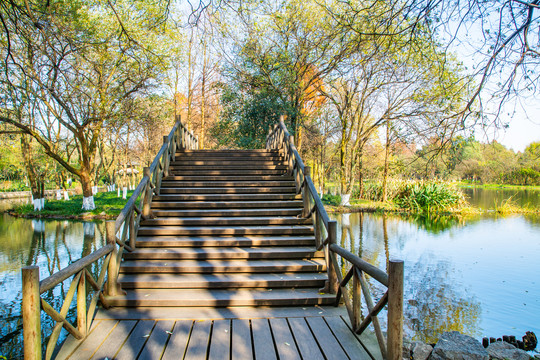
436 223
436 306
52 245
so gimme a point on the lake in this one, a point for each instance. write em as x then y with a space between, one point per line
477 275
489 198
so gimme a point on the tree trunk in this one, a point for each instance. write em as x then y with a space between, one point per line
190 80
203 98
345 194
33 178
360 175
88 196
386 154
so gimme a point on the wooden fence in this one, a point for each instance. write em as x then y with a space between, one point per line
87 288
340 282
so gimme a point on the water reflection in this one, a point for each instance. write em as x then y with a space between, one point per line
435 305
473 275
51 245
490 198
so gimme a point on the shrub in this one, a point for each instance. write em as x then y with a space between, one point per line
333 200
426 196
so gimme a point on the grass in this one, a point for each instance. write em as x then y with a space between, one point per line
108 205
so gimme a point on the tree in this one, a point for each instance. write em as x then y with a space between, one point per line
285 51
80 63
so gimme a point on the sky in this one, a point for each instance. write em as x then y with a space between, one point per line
521 116
523 127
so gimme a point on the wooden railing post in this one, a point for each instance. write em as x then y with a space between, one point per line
356 300
305 191
112 288
182 137
332 239
178 134
31 313
166 157
269 138
81 305
132 231
395 309
147 212
291 156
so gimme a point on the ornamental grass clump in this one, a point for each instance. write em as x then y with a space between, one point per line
423 196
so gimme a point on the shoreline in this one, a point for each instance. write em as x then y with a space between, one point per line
84 216
331 209
338 209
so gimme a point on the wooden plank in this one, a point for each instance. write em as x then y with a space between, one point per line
220 344
263 345
136 340
328 343
307 346
198 341
226 266
94 340
71 343
241 340
177 344
203 313
155 345
350 343
285 344
214 281
114 341
224 252
222 297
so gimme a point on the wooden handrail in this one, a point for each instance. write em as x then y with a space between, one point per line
280 139
130 204
373 271
127 224
58 277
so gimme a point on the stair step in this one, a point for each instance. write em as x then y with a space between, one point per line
205 297
223 221
222 266
227 152
216 281
228 190
228 212
228 178
212 241
234 172
255 165
225 204
208 253
173 184
208 162
225 197
230 230
225 230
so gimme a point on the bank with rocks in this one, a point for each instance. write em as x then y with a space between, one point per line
456 346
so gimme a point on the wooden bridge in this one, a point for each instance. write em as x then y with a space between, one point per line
219 254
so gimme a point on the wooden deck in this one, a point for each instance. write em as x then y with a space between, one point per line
221 333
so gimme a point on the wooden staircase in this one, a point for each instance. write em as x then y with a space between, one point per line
227 231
